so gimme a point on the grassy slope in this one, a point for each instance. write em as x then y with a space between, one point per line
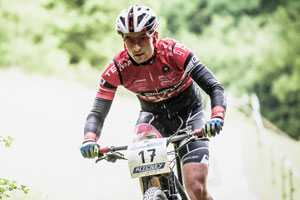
267 158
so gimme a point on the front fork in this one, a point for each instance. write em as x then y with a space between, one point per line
172 187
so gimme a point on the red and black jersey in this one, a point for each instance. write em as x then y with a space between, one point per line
164 84
155 81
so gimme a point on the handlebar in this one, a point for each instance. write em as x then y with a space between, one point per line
112 148
184 133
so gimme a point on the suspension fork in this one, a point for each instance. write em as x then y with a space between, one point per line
178 166
144 184
179 179
172 186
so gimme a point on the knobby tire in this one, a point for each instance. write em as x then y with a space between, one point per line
154 193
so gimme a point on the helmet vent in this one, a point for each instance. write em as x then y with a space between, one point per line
140 18
122 20
150 22
130 18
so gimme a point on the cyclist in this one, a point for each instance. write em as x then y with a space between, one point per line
164 74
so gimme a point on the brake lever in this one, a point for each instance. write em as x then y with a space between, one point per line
111 157
114 156
100 158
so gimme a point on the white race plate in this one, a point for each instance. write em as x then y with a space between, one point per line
148 157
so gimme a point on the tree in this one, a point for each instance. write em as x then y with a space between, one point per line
277 85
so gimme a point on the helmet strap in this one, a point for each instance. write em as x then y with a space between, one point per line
155 39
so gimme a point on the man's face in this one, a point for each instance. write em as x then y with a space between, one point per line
139 45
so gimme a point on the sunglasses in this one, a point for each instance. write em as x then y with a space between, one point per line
140 40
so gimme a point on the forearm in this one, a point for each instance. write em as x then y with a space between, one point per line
207 81
96 117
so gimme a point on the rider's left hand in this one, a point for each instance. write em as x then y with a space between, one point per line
212 127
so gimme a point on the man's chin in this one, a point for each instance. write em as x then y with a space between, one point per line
139 59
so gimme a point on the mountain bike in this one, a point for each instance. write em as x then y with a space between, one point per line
149 159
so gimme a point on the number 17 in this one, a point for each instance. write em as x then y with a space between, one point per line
142 154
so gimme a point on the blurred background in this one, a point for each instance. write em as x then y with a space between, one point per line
53 52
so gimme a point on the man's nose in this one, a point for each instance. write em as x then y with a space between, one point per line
137 46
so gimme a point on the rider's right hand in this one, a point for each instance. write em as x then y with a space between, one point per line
89 147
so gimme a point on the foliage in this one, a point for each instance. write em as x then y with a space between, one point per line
277 85
7 140
6 185
82 38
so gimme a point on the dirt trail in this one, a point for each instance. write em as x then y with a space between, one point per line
46 117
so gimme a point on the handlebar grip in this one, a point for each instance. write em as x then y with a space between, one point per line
103 150
198 132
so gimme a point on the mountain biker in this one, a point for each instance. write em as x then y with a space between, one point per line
164 74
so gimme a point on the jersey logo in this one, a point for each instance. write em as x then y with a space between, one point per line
166 69
102 82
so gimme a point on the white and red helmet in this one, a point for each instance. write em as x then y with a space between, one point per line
135 19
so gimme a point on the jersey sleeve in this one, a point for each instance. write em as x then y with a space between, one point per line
109 82
97 115
208 83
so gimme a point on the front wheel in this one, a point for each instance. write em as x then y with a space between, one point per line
154 193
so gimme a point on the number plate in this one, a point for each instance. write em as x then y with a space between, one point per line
148 157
